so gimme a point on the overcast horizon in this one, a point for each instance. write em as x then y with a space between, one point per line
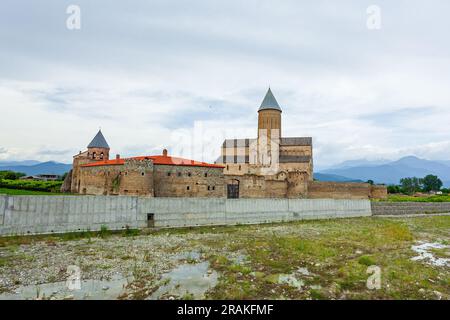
184 75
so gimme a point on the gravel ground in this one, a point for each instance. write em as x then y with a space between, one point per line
251 261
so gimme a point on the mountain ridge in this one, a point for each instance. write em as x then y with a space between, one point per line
392 172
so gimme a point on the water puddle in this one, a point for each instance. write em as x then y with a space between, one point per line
89 290
291 281
425 253
187 280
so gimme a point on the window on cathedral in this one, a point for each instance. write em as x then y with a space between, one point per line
214 188
101 155
187 188
239 167
209 188
142 173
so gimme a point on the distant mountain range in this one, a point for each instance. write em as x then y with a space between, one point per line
31 167
388 172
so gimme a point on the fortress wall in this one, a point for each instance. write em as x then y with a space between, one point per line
21 215
184 181
378 192
340 190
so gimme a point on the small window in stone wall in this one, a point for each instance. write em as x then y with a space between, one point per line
206 174
214 188
208 188
142 173
179 174
189 174
187 188
239 167
168 174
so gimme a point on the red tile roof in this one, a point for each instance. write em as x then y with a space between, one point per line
174 161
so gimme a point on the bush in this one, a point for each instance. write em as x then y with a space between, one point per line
48 186
394 189
11 175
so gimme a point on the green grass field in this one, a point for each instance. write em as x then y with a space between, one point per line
404 198
20 192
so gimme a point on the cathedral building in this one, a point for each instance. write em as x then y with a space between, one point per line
270 164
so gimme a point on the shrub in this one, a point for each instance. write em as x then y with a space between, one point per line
48 186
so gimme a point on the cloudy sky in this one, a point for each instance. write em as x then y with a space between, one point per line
186 74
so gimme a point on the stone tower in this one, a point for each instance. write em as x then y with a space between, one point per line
269 130
98 149
269 117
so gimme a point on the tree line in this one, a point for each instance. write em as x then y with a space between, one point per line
411 185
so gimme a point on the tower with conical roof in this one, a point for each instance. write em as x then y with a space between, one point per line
98 148
269 117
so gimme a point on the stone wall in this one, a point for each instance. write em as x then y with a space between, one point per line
135 177
400 208
188 181
340 190
378 192
58 214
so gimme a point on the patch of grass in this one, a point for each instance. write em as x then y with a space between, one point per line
20 192
104 231
366 260
128 232
405 198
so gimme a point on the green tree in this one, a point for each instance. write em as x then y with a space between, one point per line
431 183
370 182
411 185
393 189
11 175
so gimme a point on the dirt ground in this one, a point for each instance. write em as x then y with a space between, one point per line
326 259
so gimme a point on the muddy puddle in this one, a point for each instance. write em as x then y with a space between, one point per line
87 290
187 280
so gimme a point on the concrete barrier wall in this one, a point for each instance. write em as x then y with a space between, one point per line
48 214
53 214
399 208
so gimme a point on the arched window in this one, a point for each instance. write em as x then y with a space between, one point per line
94 154
101 155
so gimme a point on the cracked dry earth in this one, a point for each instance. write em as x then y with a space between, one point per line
327 259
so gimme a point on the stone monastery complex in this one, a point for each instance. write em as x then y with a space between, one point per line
268 166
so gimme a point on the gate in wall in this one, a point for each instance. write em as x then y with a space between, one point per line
233 190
